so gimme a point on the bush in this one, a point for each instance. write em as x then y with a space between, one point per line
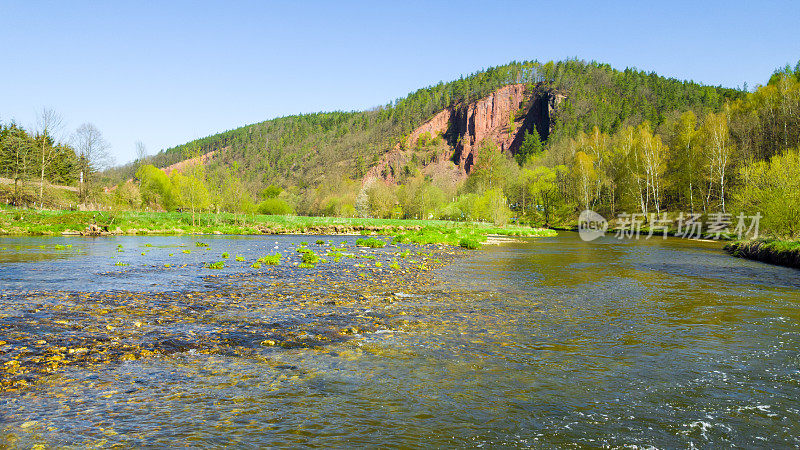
275 207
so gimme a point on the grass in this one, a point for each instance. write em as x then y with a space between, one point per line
216 265
772 251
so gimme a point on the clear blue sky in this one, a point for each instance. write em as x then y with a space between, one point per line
167 72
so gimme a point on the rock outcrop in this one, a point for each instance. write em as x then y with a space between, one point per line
501 117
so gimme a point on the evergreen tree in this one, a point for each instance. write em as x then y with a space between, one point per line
531 146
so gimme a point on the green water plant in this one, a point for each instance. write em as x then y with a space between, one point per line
216 265
271 260
370 242
310 258
469 243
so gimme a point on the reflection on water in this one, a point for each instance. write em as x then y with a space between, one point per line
552 342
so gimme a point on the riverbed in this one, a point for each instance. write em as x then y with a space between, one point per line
545 342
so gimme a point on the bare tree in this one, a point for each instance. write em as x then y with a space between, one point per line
141 154
48 125
93 155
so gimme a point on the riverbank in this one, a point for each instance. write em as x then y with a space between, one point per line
29 222
772 251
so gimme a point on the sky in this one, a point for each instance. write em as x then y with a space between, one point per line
166 72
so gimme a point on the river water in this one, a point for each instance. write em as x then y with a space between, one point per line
547 342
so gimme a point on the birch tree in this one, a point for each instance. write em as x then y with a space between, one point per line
49 124
718 151
653 156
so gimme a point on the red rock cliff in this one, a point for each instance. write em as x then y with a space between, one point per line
501 117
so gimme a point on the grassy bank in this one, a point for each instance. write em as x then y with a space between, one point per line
50 223
773 251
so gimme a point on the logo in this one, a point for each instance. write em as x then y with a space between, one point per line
591 225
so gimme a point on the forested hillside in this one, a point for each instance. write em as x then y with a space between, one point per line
334 150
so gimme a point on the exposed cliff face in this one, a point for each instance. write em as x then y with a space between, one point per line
490 118
502 117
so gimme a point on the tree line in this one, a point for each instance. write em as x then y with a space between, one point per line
33 159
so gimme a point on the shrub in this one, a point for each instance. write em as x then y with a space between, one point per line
274 206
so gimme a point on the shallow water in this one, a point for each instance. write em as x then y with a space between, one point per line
552 342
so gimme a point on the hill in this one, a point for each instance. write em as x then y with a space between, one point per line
337 149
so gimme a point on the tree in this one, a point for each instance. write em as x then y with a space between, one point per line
141 154
16 157
156 188
193 190
718 149
492 169
542 185
93 155
685 157
585 175
653 156
49 124
191 193
772 188
531 146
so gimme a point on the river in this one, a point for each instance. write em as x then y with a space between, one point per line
546 342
